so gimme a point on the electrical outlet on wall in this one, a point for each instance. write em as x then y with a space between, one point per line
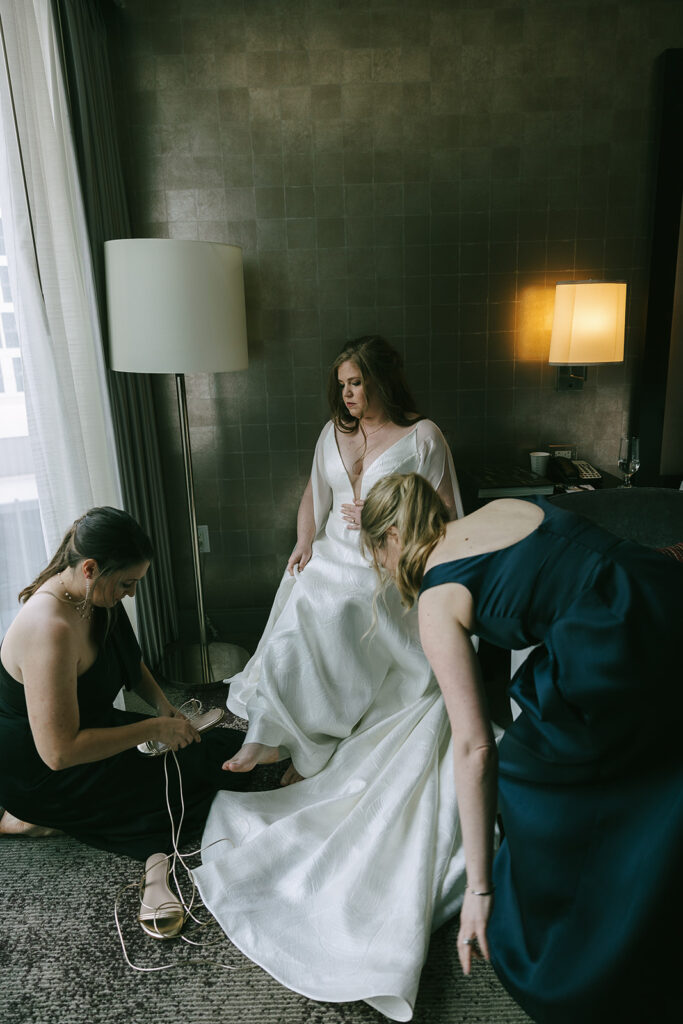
204 545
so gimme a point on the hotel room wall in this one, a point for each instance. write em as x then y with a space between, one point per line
423 169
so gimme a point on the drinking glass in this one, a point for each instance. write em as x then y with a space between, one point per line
629 458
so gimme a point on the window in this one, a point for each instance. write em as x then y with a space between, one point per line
22 548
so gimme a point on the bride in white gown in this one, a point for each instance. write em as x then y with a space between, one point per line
334 884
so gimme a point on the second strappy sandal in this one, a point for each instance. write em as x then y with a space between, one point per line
161 915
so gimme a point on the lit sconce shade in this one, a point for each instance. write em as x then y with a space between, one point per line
175 306
588 328
588 325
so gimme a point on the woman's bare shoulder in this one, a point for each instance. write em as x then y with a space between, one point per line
443 550
514 510
42 622
495 526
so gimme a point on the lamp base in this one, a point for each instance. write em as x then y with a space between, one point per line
182 666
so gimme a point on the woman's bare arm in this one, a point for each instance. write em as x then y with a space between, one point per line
49 674
446 642
149 690
437 464
445 492
305 531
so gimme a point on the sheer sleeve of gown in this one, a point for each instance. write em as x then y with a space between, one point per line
322 492
437 466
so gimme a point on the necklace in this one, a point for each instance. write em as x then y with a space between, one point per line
84 607
364 447
369 433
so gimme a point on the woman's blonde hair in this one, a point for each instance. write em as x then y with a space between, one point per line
410 503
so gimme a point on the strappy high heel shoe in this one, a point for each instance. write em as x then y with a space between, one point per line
161 915
192 710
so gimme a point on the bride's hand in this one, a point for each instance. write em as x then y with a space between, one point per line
301 556
351 514
474 919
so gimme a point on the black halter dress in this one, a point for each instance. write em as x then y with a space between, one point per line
119 803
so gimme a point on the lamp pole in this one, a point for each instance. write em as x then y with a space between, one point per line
194 534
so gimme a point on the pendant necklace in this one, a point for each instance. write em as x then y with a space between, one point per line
369 433
358 463
84 607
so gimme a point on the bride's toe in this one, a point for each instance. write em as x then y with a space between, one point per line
251 754
239 764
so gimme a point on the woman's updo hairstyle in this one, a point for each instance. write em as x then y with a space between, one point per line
108 535
410 503
381 368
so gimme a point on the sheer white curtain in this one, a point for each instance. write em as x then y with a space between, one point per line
69 417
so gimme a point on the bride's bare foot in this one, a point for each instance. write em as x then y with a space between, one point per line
290 777
251 754
11 826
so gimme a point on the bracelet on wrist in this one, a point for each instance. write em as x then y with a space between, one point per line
478 892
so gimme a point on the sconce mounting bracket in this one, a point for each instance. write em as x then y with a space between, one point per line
571 378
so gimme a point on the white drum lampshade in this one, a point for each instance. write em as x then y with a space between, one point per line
175 306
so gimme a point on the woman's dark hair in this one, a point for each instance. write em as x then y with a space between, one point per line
380 367
112 537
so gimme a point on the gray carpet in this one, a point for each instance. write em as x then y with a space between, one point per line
61 960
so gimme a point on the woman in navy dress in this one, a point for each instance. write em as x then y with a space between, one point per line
577 912
68 758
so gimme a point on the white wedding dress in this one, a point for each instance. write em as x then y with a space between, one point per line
334 884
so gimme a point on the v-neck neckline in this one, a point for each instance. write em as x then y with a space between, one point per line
381 455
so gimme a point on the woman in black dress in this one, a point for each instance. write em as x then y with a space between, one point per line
68 758
589 777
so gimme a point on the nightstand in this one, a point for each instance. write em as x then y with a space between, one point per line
606 481
490 482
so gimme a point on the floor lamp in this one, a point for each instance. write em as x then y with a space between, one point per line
177 307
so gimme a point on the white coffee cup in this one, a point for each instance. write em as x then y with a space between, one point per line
539 461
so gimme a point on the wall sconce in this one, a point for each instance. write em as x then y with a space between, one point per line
588 328
178 307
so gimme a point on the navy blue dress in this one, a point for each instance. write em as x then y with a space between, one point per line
119 803
588 880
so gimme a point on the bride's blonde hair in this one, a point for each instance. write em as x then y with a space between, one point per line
410 503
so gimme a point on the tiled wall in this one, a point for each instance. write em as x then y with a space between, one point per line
423 169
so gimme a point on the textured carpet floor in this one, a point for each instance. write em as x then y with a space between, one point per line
61 961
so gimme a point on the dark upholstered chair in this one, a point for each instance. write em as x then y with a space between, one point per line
648 515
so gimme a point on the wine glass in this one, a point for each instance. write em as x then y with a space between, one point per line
629 458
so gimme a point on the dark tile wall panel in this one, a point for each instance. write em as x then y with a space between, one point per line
424 169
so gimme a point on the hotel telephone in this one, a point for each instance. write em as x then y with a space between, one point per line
570 471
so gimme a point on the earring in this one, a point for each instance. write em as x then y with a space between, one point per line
84 607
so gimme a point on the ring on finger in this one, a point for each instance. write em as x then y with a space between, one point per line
469 942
